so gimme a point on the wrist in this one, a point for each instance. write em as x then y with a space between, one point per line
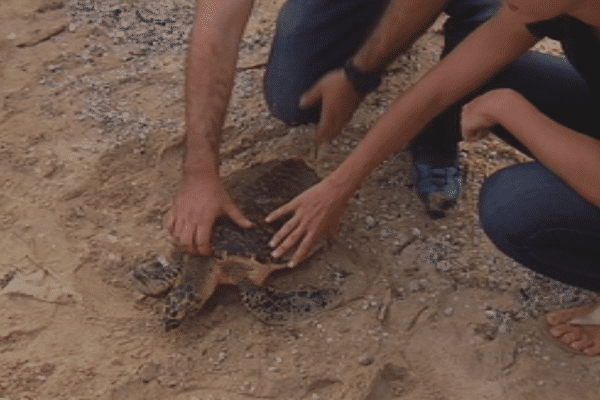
200 163
362 82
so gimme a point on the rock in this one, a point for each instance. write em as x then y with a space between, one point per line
444 266
448 311
491 314
503 329
222 336
416 232
370 221
414 286
149 372
366 359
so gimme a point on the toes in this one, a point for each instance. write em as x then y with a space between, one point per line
593 350
570 338
564 316
582 344
560 317
560 330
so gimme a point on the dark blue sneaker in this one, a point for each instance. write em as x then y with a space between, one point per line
438 186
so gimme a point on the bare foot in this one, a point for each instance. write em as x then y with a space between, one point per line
584 338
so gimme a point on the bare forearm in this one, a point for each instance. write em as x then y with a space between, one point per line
403 22
489 49
573 156
209 78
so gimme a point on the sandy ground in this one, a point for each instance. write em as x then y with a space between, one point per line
91 111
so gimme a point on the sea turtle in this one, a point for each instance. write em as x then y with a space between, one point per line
242 257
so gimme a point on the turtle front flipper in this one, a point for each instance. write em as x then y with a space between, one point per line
178 305
196 284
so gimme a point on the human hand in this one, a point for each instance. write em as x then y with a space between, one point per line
482 113
317 212
200 201
339 101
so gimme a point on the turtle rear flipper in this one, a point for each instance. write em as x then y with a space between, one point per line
273 307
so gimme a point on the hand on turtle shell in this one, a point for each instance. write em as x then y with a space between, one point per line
200 201
317 212
338 100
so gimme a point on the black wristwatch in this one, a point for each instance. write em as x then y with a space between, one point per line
362 82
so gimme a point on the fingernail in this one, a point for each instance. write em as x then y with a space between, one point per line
272 243
275 254
291 264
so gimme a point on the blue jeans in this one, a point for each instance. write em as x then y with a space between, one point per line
528 212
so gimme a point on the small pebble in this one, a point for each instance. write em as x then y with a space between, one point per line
414 286
449 311
503 329
222 336
444 266
491 314
370 221
366 359
416 232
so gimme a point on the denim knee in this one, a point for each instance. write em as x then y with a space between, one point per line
507 209
311 39
283 81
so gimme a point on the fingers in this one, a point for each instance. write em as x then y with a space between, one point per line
202 237
303 250
189 236
280 212
184 234
284 231
238 217
289 242
326 125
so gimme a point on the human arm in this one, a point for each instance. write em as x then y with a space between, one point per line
476 60
573 156
212 57
402 23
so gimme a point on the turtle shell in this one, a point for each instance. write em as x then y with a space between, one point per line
241 255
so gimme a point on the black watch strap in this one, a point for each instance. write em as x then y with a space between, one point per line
362 82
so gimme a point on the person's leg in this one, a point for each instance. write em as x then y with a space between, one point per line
437 143
535 218
438 178
549 82
312 38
